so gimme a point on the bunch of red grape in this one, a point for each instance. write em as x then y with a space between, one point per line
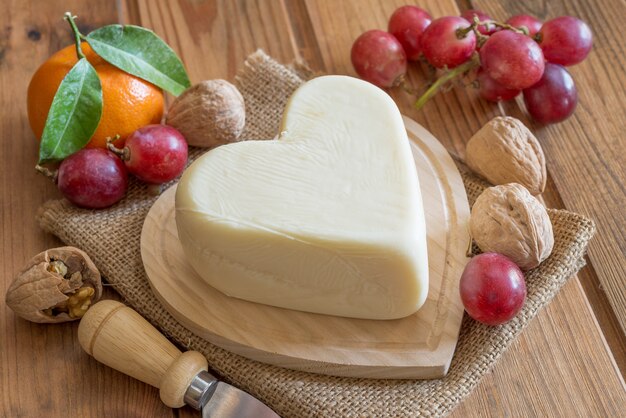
521 55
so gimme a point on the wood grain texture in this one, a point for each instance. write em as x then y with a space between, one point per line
539 357
584 153
603 312
554 369
119 337
43 370
558 367
214 37
418 346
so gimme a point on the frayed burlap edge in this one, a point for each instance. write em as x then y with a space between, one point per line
112 239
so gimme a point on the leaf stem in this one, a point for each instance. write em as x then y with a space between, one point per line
68 16
432 90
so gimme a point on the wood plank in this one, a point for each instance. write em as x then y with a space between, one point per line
597 298
43 370
215 36
538 377
562 365
584 152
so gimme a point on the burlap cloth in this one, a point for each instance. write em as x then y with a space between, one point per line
112 237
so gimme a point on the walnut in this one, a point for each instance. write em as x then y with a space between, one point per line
209 114
508 220
57 285
505 151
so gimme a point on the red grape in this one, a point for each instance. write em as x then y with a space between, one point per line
490 90
529 22
565 40
407 24
483 17
492 288
155 154
92 178
513 60
554 97
378 57
444 46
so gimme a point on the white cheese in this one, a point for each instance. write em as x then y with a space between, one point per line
328 218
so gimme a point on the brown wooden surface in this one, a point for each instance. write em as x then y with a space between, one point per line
564 364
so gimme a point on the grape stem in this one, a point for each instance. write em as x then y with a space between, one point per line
468 251
500 25
154 189
402 83
441 81
462 32
123 153
70 19
51 174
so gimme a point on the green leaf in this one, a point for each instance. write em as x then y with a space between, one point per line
74 114
140 52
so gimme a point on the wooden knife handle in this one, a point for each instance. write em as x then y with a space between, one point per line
119 337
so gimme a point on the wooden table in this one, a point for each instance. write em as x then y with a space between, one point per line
569 362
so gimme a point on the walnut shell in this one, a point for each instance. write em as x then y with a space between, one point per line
508 220
56 285
506 151
209 114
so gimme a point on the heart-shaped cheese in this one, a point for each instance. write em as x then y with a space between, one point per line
328 218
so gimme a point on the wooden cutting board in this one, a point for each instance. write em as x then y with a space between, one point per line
420 346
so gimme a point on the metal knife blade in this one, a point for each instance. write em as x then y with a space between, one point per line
229 402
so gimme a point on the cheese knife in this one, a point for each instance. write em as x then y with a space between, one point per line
119 337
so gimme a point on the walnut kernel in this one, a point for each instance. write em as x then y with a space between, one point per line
56 285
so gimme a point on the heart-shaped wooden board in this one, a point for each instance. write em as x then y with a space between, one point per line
419 346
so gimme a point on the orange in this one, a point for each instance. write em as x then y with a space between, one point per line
128 101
